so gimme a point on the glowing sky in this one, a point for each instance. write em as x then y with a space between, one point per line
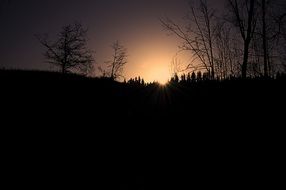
133 22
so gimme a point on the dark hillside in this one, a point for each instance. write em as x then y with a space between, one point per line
54 96
112 132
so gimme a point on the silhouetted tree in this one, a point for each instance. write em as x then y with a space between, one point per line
189 79
272 18
199 76
227 51
137 82
130 81
264 37
197 36
119 60
143 82
176 78
69 52
206 76
243 14
194 77
283 48
183 78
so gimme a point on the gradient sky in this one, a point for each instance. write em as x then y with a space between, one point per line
133 22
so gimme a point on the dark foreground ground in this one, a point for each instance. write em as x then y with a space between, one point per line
53 97
80 132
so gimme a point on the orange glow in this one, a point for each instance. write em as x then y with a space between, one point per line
151 55
156 69
152 64
160 75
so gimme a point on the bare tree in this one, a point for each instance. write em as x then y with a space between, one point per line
264 39
284 46
243 13
273 21
197 36
227 51
264 36
119 60
176 66
69 52
267 38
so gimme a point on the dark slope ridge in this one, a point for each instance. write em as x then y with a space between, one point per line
83 132
49 103
105 97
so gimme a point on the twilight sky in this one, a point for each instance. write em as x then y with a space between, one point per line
133 22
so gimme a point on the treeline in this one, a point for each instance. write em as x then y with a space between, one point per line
196 77
243 39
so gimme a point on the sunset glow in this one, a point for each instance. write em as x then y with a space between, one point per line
152 68
151 59
159 74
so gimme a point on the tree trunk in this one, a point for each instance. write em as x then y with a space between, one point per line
63 69
247 40
212 74
264 35
112 72
245 60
